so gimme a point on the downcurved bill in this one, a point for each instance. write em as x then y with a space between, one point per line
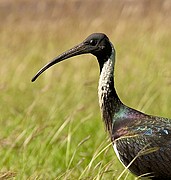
77 50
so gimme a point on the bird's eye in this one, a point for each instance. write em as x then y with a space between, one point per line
93 42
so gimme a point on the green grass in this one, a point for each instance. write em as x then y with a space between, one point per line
52 129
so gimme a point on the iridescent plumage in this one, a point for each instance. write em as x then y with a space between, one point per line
142 142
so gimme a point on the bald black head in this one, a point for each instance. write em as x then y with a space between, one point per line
101 45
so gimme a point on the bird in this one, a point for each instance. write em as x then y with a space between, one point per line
141 142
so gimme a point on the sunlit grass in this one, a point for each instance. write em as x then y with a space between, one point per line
52 129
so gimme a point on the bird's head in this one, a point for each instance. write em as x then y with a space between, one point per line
97 44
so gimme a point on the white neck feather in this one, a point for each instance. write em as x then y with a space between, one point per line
106 76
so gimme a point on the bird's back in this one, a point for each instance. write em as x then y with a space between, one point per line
143 143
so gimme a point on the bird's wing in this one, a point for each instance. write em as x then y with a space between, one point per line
146 141
148 126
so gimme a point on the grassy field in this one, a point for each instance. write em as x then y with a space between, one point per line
52 129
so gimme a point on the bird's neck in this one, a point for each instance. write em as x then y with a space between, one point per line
108 98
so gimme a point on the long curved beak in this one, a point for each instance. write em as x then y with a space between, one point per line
77 50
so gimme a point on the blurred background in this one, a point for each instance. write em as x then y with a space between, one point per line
52 129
